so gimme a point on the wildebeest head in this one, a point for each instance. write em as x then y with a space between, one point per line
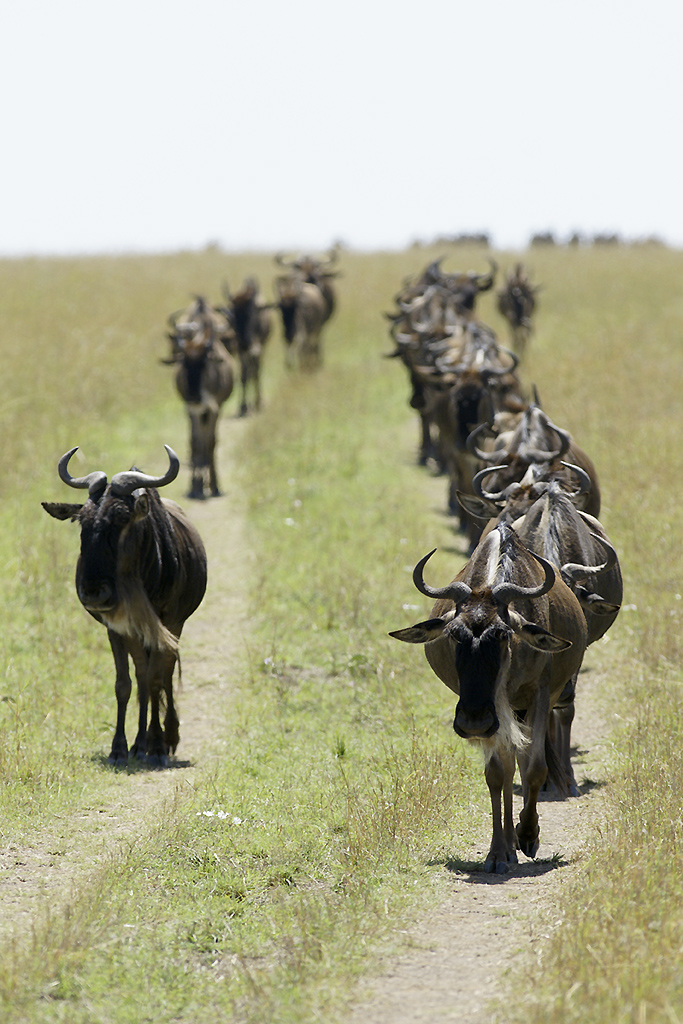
474 619
108 569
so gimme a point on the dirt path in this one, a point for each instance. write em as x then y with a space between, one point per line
454 962
44 872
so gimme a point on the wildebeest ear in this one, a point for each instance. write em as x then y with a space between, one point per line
537 636
421 632
62 510
595 604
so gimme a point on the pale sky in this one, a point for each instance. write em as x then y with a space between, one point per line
154 125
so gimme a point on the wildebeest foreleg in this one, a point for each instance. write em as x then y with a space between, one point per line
123 686
141 662
500 770
561 727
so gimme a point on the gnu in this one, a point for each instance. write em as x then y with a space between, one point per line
141 572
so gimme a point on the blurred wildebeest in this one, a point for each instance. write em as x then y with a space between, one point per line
317 270
517 302
141 573
204 378
248 315
506 635
304 312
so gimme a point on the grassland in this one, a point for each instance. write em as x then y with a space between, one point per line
341 789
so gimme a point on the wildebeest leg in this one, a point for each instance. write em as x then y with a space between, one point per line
197 486
160 681
123 686
141 661
562 718
534 771
500 771
211 431
244 380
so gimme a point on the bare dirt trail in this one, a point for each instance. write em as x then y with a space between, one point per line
44 872
452 965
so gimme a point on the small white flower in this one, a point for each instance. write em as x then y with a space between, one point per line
290 522
411 607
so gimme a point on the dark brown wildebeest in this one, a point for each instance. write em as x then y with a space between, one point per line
434 315
204 378
506 635
517 303
304 312
141 573
249 317
543 512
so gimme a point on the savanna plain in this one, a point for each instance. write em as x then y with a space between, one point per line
319 799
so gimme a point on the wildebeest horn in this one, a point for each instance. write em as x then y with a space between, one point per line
506 592
471 445
572 572
455 591
513 356
479 490
584 479
485 281
123 484
95 481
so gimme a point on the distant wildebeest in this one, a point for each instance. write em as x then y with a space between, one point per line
248 315
517 303
303 309
317 270
433 322
204 378
141 573
506 635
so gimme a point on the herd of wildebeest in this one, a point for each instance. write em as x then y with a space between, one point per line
507 635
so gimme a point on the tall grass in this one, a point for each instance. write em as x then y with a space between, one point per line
261 890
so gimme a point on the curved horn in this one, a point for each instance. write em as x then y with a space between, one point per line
123 484
95 481
506 592
471 445
479 490
485 281
513 356
584 479
455 591
572 572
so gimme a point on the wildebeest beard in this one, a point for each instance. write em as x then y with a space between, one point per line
467 407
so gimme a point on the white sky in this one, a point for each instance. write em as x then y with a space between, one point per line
147 125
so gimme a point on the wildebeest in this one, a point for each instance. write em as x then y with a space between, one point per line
317 270
506 636
204 378
248 315
517 303
141 572
304 312
542 510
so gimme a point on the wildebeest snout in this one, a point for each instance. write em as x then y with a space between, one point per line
475 722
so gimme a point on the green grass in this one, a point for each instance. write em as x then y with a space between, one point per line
339 789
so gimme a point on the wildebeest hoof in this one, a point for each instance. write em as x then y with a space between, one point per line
157 760
499 865
528 844
118 760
